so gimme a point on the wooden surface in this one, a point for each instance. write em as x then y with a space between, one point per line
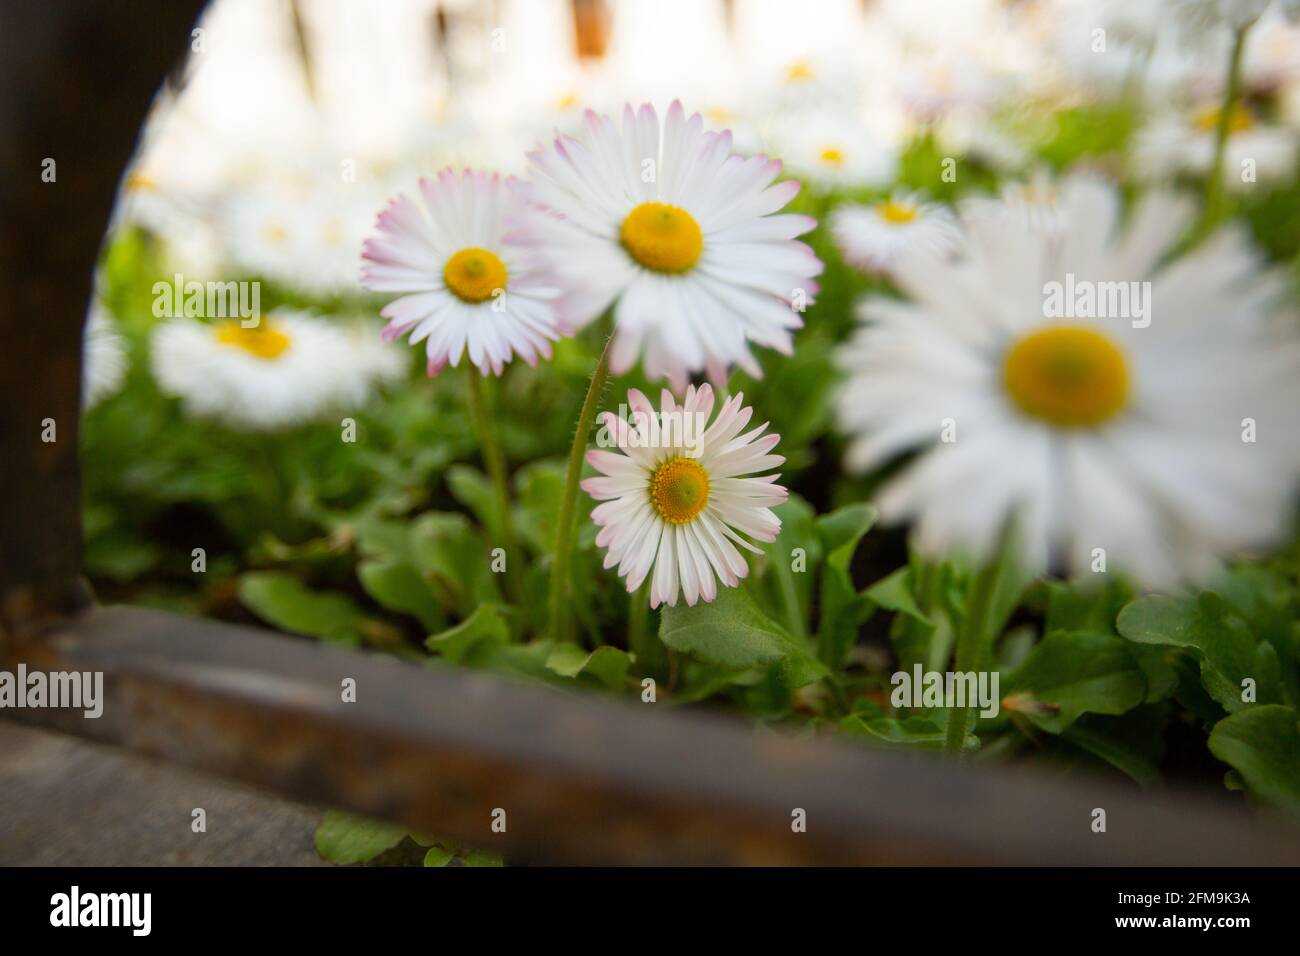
584 779
68 802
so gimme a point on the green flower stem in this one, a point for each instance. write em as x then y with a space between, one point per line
973 643
638 610
558 611
1214 185
495 462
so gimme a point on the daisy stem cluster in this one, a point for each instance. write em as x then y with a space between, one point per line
557 616
1223 127
495 462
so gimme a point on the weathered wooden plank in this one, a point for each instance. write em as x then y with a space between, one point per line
589 780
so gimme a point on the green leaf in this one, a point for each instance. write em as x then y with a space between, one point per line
1132 743
1218 634
917 732
483 858
842 609
397 586
1070 673
344 838
281 599
450 553
438 856
895 593
473 489
1262 743
1076 607
792 601
608 665
479 634
733 633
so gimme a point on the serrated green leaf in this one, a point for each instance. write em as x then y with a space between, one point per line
1214 630
733 633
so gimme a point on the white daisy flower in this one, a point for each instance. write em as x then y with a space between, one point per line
873 237
103 357
288 369
835 150
1164 445
307 238
679 236
1033 204
1184 143
1207 14
683 493
469 292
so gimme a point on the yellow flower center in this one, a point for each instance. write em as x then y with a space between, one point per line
264 340
473 274
679 490
662 237
831 156
799 71
897 213
1239 120
1072 376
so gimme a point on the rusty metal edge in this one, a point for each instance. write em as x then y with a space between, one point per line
584 779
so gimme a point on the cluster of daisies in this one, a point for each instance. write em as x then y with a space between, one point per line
1164 445
661 225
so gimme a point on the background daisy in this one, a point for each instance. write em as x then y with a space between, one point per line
288 369
873 237
1098 434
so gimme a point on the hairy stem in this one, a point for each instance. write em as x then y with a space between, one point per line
558 611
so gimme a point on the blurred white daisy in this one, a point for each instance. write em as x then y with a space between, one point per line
1164 445
873 237
103 357
835 150
683 494
1184 143
288 369
1031 204
1207 14
679 236
305 237
469 292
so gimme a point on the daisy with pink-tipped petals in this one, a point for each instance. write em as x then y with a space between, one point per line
681 237
680 494
467 291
